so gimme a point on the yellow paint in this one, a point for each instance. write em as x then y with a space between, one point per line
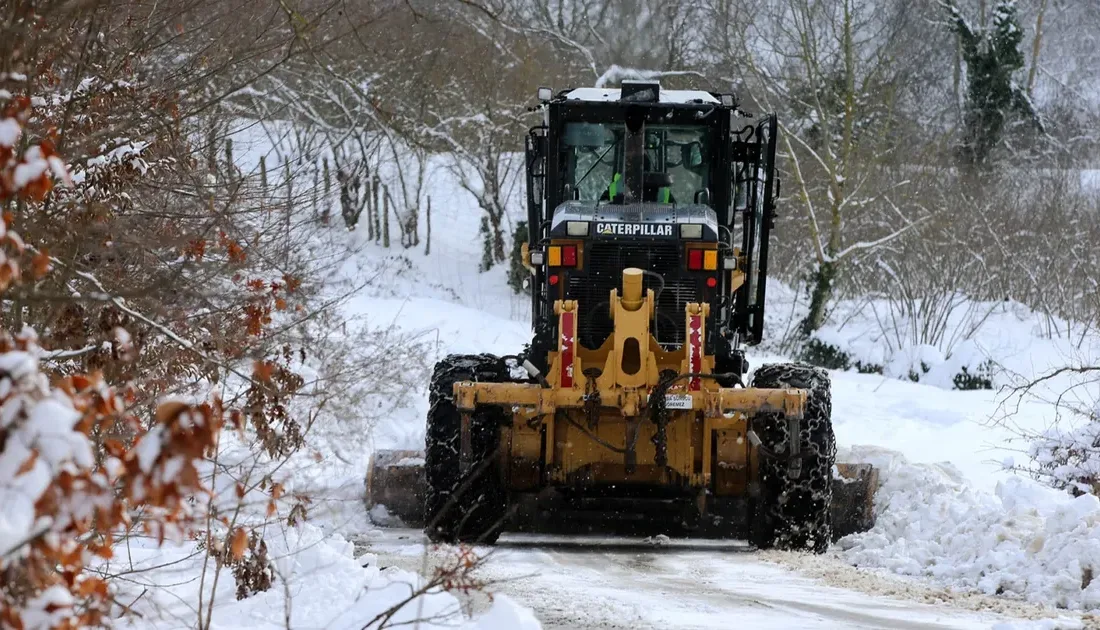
525 256
550 426
632 289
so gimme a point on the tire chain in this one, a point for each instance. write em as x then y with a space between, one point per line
443 440
795 512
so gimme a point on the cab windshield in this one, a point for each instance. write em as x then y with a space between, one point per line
592 160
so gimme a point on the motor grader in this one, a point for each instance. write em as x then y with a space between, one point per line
650 213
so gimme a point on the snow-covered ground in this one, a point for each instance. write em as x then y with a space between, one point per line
949 512
618 583
960 541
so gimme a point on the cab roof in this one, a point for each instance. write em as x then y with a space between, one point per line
666 96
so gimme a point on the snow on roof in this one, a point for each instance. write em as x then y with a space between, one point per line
667 96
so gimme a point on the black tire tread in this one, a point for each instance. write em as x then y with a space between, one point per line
476 514
794 514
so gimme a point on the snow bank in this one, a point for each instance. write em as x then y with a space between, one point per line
1023 541
318 581
1004 342
318 584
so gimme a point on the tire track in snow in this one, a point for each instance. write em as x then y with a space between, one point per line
612 584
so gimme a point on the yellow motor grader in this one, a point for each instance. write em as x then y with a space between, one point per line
650 212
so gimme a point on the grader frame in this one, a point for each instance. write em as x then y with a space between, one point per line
637 419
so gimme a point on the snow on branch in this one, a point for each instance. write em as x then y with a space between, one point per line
867 245
64 496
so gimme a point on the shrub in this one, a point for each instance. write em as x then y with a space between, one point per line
60 504
1068 460
981 378
825 355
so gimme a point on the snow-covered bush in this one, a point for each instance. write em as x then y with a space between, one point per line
1069 459
1066 455
821 353
967 368
61 503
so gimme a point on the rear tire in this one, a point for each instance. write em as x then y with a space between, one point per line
794 514
459 507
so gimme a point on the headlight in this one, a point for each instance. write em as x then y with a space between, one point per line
576 228
536 259
691 230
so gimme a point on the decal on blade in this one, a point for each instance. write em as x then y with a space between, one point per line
568 338
695 350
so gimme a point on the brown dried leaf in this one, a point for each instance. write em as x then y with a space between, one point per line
239 543
40 265
169 411
263 371
27 465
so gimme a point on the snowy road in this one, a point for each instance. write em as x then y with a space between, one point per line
606 583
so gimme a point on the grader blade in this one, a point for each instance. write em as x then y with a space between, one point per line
854 487
395 481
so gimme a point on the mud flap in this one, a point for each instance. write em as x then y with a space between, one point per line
854 487
395 480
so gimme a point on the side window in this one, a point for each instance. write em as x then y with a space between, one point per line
588 158
685 157
599 173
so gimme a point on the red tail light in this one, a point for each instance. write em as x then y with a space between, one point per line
569 256
712 282
553 280
695 259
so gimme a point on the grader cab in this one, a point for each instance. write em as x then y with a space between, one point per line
650 213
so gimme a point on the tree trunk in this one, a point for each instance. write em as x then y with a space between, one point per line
385 217
823 278
498 237
289 203
328 190
428 228
372 201
313 201
229 162
375 186
1036 48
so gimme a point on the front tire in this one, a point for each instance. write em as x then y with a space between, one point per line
794 514
465 506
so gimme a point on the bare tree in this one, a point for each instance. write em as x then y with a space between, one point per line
834 71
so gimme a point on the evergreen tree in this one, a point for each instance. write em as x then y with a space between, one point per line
517 273
992 55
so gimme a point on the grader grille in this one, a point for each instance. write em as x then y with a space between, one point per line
604 262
